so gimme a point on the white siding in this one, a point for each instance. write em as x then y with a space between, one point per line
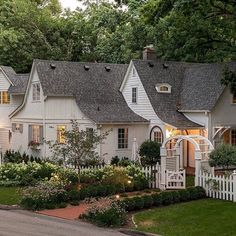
4 83
4 140
201 118
143 106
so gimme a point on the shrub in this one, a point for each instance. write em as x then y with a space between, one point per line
162 198
223 156
115 160
73 195
44 195
32 173
147 201
107 213
150 152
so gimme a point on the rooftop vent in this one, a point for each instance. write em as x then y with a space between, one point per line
86 68
107 68
53 66
150 64
165 66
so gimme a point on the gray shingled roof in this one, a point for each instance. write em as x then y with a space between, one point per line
165 105
202 86
19 81
96 90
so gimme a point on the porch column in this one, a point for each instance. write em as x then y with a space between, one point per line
197 166
163 153
177 158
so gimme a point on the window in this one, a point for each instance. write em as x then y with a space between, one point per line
156 135
234 98
61 133
36 92
36 133
134 95
122 138
4 97
163 88
89 132
233 137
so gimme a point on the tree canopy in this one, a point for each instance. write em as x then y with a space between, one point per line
190 30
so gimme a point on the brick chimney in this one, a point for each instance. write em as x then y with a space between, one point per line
149 53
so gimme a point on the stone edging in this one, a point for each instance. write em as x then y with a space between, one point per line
136 233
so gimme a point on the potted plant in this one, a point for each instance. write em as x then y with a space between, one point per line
34 145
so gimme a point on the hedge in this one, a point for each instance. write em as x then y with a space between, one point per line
162 198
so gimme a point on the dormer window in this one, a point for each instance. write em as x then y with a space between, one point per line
134 94
163 88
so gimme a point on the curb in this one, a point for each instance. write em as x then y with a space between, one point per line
136 233
9 207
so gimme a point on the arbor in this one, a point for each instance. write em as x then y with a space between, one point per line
223 156
79 145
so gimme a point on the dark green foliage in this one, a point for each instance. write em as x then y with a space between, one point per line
73 195
229 79
163 198
124 161
115 160
223 156
150 152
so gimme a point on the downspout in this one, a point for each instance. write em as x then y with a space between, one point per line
44 125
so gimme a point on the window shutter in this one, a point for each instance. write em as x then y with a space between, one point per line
13 127
21 128
41 134
30 138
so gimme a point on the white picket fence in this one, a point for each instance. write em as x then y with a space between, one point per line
175 179
220 187
152 173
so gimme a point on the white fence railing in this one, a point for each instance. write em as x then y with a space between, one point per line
217 186
152 173
175 179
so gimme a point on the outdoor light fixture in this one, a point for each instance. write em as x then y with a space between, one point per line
117 196
129 181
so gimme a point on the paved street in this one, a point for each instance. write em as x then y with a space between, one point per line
22 223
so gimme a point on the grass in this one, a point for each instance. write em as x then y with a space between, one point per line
205 217
190 180
9 195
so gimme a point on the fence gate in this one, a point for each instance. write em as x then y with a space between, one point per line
175 179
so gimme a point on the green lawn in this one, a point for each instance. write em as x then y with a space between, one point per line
201 218
9 195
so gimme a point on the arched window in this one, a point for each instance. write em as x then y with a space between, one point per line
156 134
163 88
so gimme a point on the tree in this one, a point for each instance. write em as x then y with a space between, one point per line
150 152
79 145
223 156
196 31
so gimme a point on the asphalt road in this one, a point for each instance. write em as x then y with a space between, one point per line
22 223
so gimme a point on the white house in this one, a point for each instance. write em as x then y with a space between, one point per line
147 99
12 89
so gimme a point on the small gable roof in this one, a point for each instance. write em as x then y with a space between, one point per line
18 81
95 89
165 105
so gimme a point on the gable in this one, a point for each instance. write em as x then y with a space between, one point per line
4 82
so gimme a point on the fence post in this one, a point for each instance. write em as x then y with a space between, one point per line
234 186
163 168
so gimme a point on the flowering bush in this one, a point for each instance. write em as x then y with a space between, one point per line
105 213
44 195
129 178
32 172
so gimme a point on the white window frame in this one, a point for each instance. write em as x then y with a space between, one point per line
123 138
36 92
134 72
8 97
36 133
156 134
160 86
134 95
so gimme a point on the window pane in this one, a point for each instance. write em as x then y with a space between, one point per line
233 137
4 97
36 92
234 98
60 133
163 88
123 138
134 95
36 133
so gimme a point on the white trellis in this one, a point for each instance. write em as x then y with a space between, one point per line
202 148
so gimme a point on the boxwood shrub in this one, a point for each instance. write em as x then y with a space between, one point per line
162 198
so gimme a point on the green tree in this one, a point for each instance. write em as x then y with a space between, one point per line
223 156
190 30
79 146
